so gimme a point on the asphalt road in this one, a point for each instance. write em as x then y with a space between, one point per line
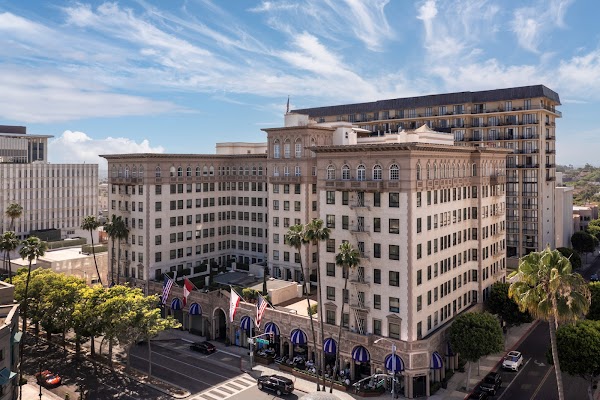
594 267
174 362
536 379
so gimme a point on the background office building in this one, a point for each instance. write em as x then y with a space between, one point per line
522 119
53 196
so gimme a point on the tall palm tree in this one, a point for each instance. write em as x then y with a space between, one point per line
13 211
348 258
296 237
90 223
122 233
315 232
32 248
110 229
546 287
8 243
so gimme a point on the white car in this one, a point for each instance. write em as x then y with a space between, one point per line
513 360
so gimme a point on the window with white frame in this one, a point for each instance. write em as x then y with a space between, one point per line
330 172
297 170
276 150
377 175
345 172
394 172
286 149
298 149
361 173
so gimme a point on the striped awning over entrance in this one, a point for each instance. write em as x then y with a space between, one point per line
436 361
195 309
298 337
360 354
246 323
176 304
272 328
329 346
394 363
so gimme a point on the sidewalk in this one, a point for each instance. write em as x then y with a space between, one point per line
31 391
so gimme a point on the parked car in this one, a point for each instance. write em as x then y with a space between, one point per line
48 379
478 396
513 360
275 383
594 278
203 347
491 383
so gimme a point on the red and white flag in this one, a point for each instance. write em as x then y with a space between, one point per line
188 286
261 306
234 302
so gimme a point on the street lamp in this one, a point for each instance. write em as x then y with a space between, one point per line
393 364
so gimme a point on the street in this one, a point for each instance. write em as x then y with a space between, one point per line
593 268
536 380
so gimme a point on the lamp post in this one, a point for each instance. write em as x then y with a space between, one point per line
394 366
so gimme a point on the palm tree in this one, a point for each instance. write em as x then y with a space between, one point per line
348 258
8 243
32 248
110 229
122 233
548 290
91 224
315 233
13 211
296 237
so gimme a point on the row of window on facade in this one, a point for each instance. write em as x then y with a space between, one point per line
287 148
445 170
120 172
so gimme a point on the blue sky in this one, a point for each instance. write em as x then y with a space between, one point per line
178 76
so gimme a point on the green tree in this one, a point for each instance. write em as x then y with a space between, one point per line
37 287
111 230
506 308
594 312
348 258
90 224
86 323
583 242
595 222
572 255
578 348
13 211
546 287
296 237
316 232
8 242
474 335
594 231
32 248
122 234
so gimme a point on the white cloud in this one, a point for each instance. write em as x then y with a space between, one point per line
531 24
268 6
78 147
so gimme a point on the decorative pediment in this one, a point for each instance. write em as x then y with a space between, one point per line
394 318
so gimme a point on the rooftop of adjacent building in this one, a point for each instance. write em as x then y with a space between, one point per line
18 132
483 96
71 253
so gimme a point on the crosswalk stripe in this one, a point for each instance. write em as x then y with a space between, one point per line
226 389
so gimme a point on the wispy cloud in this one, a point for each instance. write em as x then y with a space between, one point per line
531 23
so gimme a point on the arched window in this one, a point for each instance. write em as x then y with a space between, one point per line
172 171
275 170
260 171
377 175
114 171
419 177
246 170
198 171
428 171
330 172
453 169
205 170
141 172
157 172
179 171
211 170
361 173
276 149
240 171
345 172
435 171
464 171
134 172
298 148
394 172
253 171
313 143
286 149
188 171
233 171
474 170
126 172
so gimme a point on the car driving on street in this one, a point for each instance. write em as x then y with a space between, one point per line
513 360
275 383
491 383
203 347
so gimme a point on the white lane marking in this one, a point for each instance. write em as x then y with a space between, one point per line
514 379
189 365
172 370
218 389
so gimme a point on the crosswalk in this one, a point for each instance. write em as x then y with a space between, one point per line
227 389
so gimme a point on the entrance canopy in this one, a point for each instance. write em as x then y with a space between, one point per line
360 354
298 337
176 304
246 323
436 361
195 309
394 363
272 328
329 346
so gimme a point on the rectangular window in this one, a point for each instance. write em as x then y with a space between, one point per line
377 250
394 200
331 293
418 199
394 226
330 269
394 304
377 301
376 275
330 317
377 327
419 277
394 251
345 198
376 224
330 221
394 278
331 245
418 225
394 330
376 199
419 303
345 222
330 197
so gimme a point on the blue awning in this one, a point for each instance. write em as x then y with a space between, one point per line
394 364
195 309
436 361
246 323
6 375
176 304
329 346
272 328
360 354
298 337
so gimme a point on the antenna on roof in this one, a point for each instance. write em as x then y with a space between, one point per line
287 110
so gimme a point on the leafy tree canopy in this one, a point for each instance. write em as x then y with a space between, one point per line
572 255
475 335
583 242
500 304
594 312
579 348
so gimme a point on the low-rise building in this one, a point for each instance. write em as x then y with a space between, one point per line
583 215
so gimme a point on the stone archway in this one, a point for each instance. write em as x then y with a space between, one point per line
219 324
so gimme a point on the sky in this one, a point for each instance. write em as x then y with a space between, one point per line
178 76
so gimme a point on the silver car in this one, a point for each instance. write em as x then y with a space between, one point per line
513 360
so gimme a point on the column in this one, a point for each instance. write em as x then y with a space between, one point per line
427 383
408 386
352 370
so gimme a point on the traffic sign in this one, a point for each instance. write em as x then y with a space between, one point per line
263 341
250 341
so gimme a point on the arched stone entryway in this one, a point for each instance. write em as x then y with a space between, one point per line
219 324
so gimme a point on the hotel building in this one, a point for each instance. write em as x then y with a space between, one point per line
522 119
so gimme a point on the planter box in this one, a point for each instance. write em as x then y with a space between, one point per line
264 360
286 368
369 394
313 378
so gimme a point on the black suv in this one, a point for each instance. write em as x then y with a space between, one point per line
203 347
491 383
276 383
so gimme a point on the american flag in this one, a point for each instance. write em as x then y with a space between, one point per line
166 289
261 306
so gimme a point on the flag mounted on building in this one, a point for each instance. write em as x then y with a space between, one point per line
261 306
234 302
167 285
188 286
